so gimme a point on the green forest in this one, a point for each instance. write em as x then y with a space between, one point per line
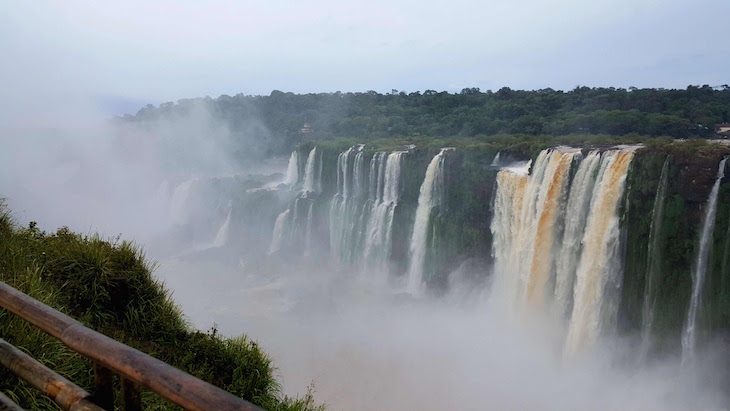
277 121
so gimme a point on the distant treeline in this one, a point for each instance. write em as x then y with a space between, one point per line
279 118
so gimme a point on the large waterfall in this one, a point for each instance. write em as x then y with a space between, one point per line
379 227
689 334
557 230
525 229
554 238
599 262
429 196
576 214
361 222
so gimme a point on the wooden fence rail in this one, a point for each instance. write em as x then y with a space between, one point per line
134 368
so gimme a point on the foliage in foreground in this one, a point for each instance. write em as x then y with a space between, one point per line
108 286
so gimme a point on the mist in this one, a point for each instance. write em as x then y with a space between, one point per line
359 341
94 173
363 346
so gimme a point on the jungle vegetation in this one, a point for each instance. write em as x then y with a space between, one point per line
277 120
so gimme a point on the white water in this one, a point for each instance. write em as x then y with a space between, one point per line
222 236
292 170
689 334
525 225
428 198
361 221
653 263
379 227
556 244
308 233
310 178
178 207
495 160
277 238
576 214
599 262
341 210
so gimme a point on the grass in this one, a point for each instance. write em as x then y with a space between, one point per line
107 285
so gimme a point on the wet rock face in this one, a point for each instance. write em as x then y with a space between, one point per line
695 177
691 175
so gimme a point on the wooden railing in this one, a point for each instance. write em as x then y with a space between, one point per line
135 369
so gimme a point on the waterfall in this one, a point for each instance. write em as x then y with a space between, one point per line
308 232
358 171
549 211
361 221
277 238
292 170
576 213
495 161
341 204
310 180
653 261
506 240
178 207
525 225
598 262
556 241
689 334
379 227
222 236
428 198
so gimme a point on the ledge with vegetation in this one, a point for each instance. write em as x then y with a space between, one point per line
108 286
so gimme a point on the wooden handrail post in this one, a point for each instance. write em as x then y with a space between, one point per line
103 387
131 396
65 393
6 404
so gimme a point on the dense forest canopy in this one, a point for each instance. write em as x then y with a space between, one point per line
278 120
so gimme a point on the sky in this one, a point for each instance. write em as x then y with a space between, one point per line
69 56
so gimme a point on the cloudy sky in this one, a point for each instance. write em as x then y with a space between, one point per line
120 56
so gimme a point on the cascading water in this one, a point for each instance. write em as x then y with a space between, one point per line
280 226
598 262
506 239
342 208
178 207
576 214
361 222
292 170
689 334
533 267
222 236
653 261
549 212
310 175
556 238
428 198
308 233
527 210
379 227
